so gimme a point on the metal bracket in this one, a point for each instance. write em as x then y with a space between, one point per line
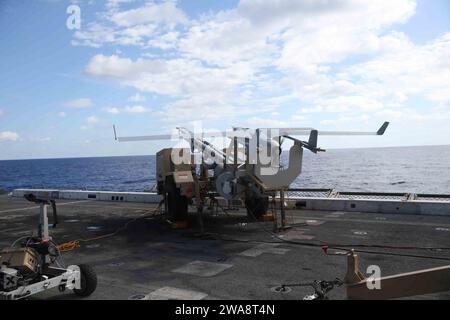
400 285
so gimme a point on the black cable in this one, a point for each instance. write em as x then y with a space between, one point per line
345 247
316 245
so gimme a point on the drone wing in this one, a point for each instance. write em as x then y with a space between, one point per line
306 132
185 134
246 133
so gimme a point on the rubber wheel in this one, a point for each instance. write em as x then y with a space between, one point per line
176 203
88 281
256 207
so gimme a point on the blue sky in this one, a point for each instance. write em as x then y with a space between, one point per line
148 66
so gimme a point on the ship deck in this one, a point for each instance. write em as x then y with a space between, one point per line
234 259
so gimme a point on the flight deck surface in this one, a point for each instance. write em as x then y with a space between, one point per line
234 259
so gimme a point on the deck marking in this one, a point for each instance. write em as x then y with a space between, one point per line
138 296
336 214
23 233
400 222
12 230
280 289
314 222
296 235
116 264
93 246
94 228
170 293
309 221
263 248
203 268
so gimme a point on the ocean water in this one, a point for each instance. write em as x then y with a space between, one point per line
405 169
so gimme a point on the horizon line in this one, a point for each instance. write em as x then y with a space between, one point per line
146 155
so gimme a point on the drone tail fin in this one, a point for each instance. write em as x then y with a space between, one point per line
382 129
312 141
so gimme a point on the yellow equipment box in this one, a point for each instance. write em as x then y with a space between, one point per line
24 259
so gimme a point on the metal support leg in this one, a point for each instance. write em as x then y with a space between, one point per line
43 232
283 213
275 216
199 202
43 223
354 275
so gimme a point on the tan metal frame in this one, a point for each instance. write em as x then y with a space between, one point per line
401 285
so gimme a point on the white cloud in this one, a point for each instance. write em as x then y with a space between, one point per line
409 70
196 108
387 84
128 109
116 3
137 98
149 25
266 122
202 92
338 60
314 109
165 41
136 109
301 12
124 68
62 114
348 103
159 13
95 36
78 103
112 110
8 136
41 139
296 118
347 119
92 120
440 95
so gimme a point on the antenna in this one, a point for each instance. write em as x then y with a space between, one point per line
115 134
